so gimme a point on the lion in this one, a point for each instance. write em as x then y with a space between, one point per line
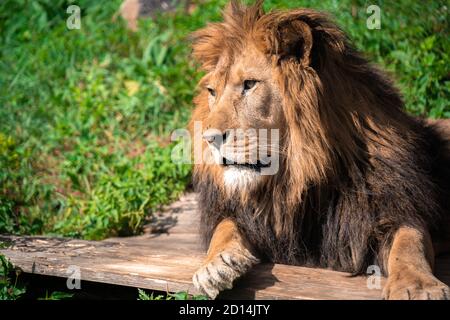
359 182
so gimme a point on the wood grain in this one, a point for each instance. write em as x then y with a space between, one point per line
166 256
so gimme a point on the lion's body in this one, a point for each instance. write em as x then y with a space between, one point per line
346 225
354 167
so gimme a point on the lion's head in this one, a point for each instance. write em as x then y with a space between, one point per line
295 72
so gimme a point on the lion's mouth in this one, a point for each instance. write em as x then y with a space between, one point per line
252 166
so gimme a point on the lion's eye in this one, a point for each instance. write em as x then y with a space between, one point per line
249 84
211 91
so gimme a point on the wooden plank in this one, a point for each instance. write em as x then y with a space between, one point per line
167 261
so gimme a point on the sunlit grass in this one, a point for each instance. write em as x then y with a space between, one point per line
85 114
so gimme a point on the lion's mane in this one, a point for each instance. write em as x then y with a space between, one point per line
354 165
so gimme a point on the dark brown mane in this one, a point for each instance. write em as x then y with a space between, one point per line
356 167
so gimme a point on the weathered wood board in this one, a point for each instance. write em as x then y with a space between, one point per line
167 255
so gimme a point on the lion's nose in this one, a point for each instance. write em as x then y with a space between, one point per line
214 136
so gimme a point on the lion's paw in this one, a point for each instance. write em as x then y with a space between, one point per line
219 273
409 287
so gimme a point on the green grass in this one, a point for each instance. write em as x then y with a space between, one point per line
10 289
142 295
84 118
85 115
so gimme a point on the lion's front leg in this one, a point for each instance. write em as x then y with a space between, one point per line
229 257
410 264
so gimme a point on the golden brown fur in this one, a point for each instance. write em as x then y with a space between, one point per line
355 170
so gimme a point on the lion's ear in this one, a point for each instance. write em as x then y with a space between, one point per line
291 39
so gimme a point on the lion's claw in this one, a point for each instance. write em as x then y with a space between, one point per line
418 288
220 273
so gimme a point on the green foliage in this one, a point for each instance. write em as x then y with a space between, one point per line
9 289
169 296
12 289
84 120
57 295
85 114
186 296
